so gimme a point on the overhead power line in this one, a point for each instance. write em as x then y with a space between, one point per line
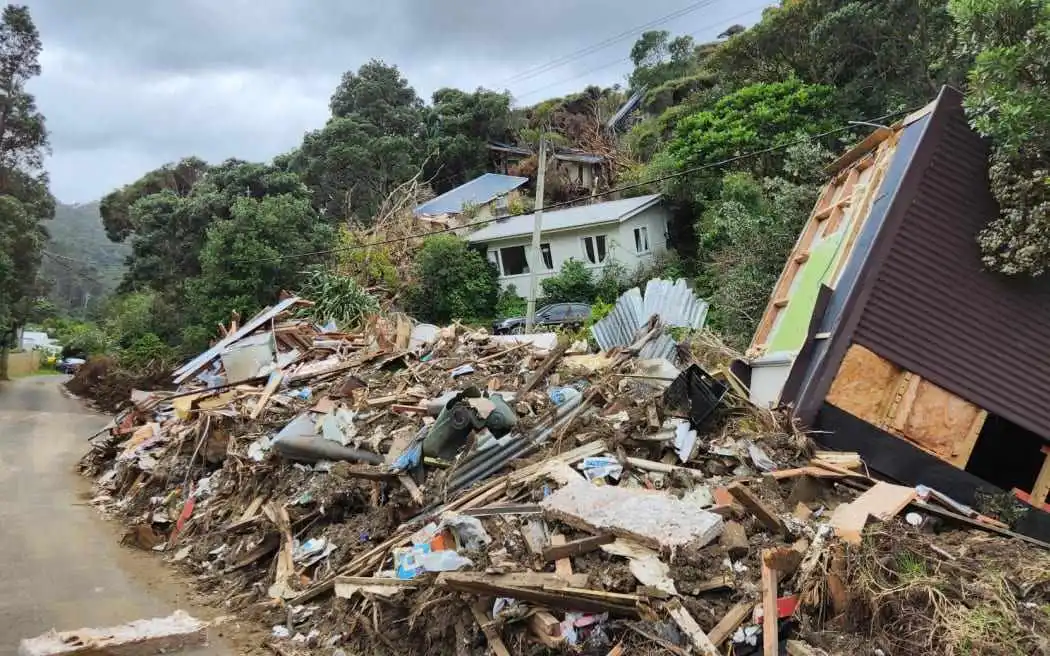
627 59
645 183
601 45
58 259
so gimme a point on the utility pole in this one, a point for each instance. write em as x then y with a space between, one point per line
537 227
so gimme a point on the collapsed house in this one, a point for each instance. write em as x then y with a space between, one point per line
887 336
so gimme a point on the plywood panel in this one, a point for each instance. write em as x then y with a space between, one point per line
940 422
865 385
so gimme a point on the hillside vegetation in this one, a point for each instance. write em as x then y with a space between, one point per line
734 132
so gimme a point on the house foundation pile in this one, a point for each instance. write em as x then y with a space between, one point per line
416 489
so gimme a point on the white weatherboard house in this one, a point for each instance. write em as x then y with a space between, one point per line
629 231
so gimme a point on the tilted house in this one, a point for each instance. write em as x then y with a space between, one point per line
629 231
886 332
483 197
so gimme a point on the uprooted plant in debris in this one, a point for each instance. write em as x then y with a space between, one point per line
951 594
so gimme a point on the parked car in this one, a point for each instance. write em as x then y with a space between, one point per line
69 365
557 315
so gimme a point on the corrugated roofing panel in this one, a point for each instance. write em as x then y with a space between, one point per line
626 109
196 364
573 217
673 302
933 309
478 191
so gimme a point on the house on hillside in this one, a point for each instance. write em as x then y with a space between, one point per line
577 167
506 157
629 231
483 197
886 334
580 169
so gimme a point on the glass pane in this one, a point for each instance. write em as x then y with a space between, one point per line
588 248
514 262
548 259
600 244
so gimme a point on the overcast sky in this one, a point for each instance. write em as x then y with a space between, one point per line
131 84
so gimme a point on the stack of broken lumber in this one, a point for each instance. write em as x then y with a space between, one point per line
603 521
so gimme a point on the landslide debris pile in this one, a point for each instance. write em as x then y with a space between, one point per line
415 489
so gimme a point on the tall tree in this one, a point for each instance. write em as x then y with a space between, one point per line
459 127
1009 102
372 143
241 262
24 197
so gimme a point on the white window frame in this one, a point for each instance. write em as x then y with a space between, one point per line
641 240
594 247
525 259
546 248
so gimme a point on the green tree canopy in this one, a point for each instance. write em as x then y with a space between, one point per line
25 201
242 265
459 126
453 281
1009 102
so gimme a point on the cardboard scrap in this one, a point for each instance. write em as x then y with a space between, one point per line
139 638
655 520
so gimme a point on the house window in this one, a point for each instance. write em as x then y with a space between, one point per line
594 249
513 260
548 259
641 240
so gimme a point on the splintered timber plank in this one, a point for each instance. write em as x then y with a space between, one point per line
756 507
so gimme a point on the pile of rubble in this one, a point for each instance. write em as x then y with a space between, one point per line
420 489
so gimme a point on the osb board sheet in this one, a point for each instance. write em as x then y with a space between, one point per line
654 519
865 385
941 422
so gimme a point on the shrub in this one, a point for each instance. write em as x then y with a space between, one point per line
146 352
338 298
573 284
510 304
453 281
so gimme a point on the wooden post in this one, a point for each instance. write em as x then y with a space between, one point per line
770 637
1042 482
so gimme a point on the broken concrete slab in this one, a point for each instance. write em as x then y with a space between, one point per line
654 519
139 638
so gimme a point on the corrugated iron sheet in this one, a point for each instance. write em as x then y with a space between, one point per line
673 302
202 360
934 311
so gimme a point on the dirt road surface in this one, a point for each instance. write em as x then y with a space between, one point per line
61 565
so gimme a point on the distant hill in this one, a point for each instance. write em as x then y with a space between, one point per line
85 266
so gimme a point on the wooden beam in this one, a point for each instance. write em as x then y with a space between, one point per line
770 621
1042 482
544 369
562 566
691 629
487 627
729 623
757 508
271 386
576 547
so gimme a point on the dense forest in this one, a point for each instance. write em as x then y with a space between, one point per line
81 266
734 132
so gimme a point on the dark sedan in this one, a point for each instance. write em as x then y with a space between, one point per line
549 317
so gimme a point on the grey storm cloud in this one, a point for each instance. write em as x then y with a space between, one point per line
131 84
